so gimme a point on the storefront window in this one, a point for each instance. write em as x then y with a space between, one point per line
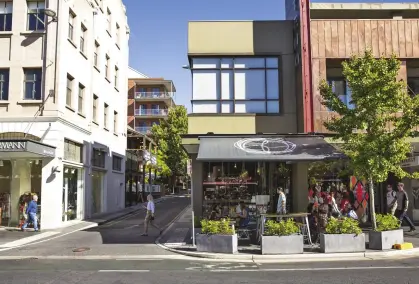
5 192
73 151
97 191
71 184
98 158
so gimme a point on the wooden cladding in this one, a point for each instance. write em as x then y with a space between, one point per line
343 38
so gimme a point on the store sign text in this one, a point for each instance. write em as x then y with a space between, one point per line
12 145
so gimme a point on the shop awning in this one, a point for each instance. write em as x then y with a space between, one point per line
25 148
272 148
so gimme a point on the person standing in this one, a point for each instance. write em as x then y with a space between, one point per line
149 217
31 211
282 202
391 200
402 206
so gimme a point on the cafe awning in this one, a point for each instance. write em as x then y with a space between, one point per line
266 148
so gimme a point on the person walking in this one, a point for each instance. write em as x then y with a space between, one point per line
402 206
149 217
391 200
31 211
282 202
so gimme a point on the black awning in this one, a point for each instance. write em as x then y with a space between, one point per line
275 148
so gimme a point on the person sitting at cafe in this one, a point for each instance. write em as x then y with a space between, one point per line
244 217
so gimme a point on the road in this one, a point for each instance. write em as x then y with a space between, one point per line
159 271
118 237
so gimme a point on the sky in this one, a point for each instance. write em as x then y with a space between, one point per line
158 40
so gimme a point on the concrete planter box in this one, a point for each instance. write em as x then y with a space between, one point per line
293 244
331 243
385 240
216 243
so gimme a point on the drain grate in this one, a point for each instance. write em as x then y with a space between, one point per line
81 249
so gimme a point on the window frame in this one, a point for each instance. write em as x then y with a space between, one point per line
117 163
412 78
69 143
39 25
109 20
83 31
115 122
117 34
96 54
220 69
34 83
105 115
95 108
71 19
80 100
4 84
69 93
331 79
107 70
6 17
98 158
116 77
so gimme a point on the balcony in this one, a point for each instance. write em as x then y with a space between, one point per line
153 95
151 112
143 129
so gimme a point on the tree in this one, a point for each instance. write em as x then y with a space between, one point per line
382 116
170 156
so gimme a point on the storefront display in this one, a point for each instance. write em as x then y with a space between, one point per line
71 184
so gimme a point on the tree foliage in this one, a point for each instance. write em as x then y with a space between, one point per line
375 130
171 157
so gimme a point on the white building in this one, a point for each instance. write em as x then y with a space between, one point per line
71 151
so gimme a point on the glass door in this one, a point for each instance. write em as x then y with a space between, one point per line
70 193
97 184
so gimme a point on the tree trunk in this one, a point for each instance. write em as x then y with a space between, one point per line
372 204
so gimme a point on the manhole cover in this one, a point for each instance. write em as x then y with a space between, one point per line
81 249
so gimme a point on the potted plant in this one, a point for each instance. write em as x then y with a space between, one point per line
282 238
342 235
387 234
217 236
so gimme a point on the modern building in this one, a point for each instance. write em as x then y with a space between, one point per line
243 133
149 100
326 34
63 74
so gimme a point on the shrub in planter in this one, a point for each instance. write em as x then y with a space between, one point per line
342 235
388 233
282 238
216 236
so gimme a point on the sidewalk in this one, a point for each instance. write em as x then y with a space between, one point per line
178 238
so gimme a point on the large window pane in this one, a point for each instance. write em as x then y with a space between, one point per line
205 107
227 107
249 63
272 84
273 107
249 84
205 85
250 107
227 88
272 62
206 63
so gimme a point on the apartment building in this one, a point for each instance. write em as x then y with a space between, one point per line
149 100
326 34
63 74
243 138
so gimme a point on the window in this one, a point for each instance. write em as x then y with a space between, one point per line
116 163
109 20
82 36
413 86
71 20
95 104
36 16
105 116
33 81
115 122
98 158
81 98
107 66
342 90
6 10
117 33
4 84
235 85
68 97
116 77
73 151
95 56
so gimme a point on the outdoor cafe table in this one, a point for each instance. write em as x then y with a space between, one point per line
262 219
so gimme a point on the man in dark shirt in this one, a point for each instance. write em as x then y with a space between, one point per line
402 206
31 210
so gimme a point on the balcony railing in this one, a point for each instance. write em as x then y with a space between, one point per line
143 129
153 95
151 112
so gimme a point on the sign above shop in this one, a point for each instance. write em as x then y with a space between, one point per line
5 146
28 148
266 146
410 162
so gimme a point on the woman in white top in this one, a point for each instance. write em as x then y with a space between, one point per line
149 217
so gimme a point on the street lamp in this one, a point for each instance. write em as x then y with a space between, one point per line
50 13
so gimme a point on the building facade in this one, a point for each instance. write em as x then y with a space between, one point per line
332 32
63 74
149 100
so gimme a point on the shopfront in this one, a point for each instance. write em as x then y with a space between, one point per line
21 163
98 180
227 170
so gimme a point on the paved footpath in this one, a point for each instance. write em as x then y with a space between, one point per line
120 237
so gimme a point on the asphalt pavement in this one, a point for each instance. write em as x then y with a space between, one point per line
119 237
157 271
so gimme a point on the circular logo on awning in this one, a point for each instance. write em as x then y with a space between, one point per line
275 146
